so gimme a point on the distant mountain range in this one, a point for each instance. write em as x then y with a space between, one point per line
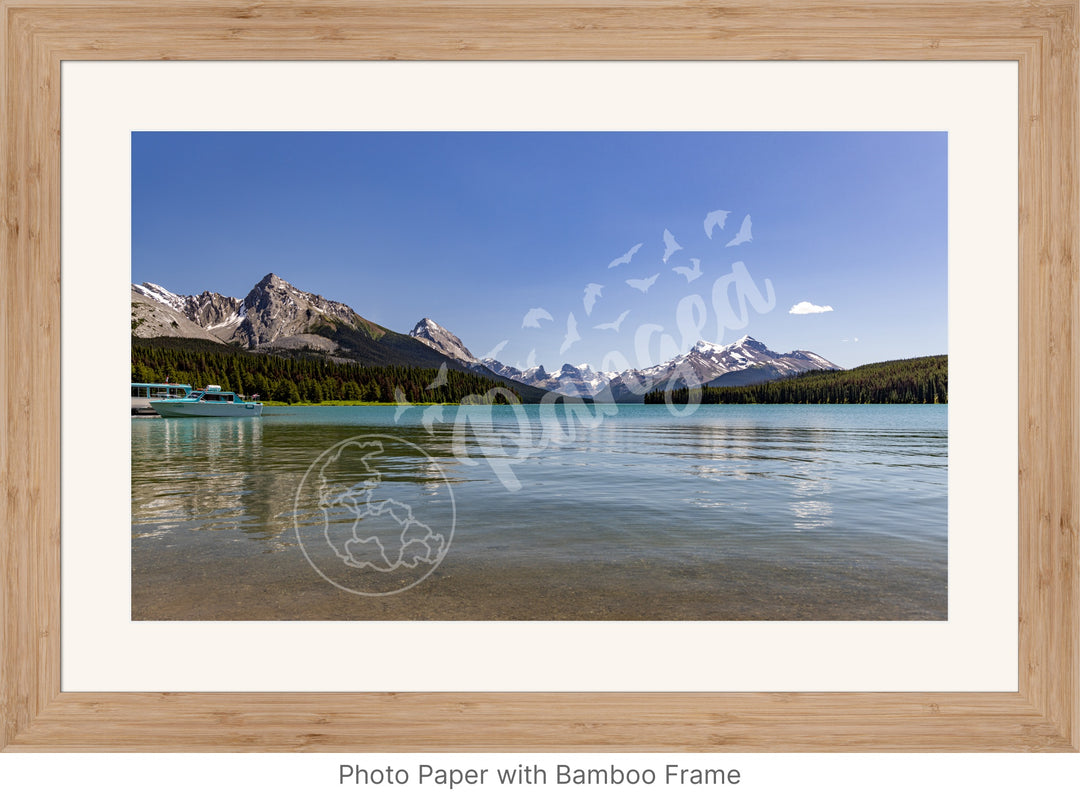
746 361
923 380
276 316
570 380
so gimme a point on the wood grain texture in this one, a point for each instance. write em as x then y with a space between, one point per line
1041 36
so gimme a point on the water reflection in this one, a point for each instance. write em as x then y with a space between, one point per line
761 482
217 474
811 507
209 472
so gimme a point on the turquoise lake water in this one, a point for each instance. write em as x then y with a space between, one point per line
729 512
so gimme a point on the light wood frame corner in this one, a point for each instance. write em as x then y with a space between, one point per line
37 35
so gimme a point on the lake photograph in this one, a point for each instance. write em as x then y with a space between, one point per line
563 376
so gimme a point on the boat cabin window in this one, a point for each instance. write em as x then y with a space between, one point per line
161 391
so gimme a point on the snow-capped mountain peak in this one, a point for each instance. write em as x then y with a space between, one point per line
435 336
703 363
274 313
579 380
706 362
575 380
159 294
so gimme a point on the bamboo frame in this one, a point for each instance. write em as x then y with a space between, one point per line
38 34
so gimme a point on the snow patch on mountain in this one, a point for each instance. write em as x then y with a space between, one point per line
703 363
152 317
706 361
578 381
435 336
270 316
159 294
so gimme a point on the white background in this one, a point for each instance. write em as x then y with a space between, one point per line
780 780
915 96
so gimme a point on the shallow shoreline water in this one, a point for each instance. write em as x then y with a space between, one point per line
288 591
732 513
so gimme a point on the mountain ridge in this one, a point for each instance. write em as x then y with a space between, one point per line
920 380
276 316
747 360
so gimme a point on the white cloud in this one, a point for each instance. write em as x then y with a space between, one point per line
809 308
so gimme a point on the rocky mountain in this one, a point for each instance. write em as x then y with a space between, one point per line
435 336
275 316
746 361
707 363
274 313
580 380
151 316
577 381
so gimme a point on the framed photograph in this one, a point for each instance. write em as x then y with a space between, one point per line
843 519
731 512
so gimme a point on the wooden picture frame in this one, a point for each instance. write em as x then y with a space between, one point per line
37 35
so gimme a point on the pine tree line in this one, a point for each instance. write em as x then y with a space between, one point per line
905 381
293 379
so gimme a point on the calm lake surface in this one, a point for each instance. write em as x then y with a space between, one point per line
731 512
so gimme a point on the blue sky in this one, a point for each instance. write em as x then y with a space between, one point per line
474 229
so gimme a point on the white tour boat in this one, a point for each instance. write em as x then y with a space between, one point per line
210 402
